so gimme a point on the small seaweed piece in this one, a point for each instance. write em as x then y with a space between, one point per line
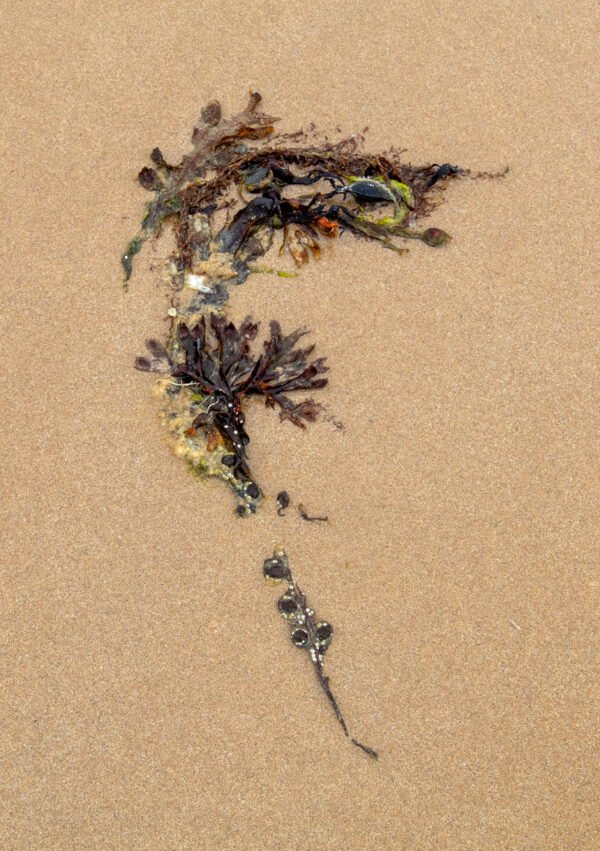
212 370
305 631
283 501
311 518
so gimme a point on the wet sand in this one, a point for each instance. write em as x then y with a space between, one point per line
152 698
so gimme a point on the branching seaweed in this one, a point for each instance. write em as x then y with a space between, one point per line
306 632
211 372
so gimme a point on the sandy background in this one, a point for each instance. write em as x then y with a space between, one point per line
151 698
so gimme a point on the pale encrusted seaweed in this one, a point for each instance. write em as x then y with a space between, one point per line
212 366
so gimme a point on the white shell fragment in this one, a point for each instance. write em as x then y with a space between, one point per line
197 282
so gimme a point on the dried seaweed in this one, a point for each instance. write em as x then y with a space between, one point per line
306 632
212 372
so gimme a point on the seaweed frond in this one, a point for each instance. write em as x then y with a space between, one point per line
212 367
306 632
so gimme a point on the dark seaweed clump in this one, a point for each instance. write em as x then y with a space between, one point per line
215 362
239 187
297 184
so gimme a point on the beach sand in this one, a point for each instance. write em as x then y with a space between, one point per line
151 697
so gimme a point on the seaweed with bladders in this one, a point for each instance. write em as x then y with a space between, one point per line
306 631
238 166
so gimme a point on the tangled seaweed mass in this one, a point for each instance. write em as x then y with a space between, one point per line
239 187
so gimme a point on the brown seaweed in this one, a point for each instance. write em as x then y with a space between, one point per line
212 361
306 632
283 500
239 187
242 154
311 518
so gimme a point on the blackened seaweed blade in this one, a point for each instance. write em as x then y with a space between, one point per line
305 632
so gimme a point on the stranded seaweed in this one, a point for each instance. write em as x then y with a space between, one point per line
311 518
239 186
283 501
305 631
211 372
242 154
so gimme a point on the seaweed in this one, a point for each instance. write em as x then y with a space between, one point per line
169 182
283 501
239 188
306 632
212 372
311 518
347 189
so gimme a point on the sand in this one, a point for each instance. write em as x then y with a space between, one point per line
151 698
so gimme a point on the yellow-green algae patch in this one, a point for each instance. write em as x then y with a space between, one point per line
203 451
